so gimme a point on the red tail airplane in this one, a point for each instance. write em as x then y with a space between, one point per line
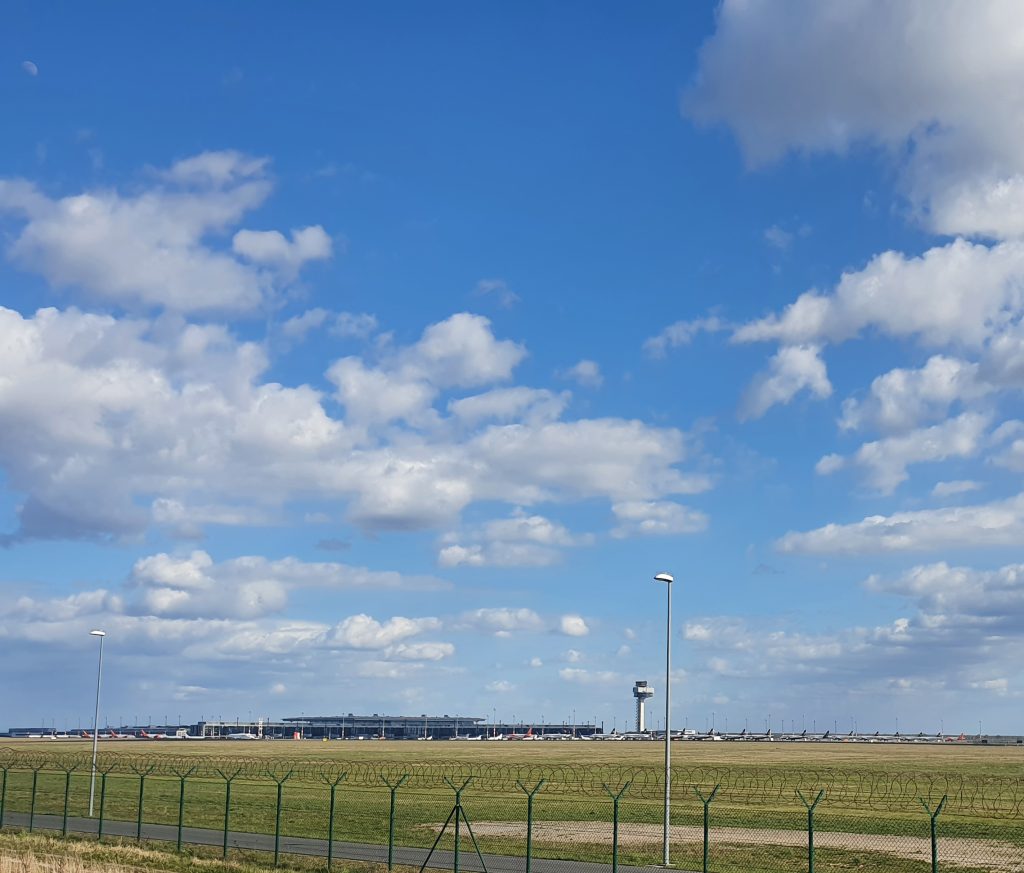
527 736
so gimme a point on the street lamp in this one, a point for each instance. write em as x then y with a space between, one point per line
96 719
666 578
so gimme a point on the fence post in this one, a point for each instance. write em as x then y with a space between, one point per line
227 813
615 822
707 816
142 795
457 813
228 779
529 818
67 793
32 807
3 798
277 817
391 819
458 806
810 825
330 816
181 802
142 774
103 801
934 816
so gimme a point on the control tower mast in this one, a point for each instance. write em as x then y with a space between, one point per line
641 691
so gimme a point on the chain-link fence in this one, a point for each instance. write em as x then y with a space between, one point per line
534 818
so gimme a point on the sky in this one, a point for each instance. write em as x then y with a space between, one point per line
374 358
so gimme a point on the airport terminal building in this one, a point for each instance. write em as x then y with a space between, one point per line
388 727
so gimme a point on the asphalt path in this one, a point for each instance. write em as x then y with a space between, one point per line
409 857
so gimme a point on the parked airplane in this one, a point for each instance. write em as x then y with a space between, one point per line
710 736
109 735
242 736
527 736
147 736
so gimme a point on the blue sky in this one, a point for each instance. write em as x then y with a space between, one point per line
374 358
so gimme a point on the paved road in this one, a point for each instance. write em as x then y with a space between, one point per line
308 846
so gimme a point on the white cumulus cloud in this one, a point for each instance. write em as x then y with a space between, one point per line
955 487
521 540
150 248
656 518
903 399
178 417
586 373
574 626
272 248
940 89
1000 523
682 333
791 370
885 461
503 621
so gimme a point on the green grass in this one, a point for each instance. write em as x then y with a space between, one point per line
989 784
39 853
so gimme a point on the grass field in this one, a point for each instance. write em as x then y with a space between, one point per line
946 758
871 809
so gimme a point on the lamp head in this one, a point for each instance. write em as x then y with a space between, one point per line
664 577
97 633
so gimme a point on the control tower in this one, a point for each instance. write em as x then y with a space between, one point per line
641 691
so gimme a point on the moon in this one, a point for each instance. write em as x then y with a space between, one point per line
30 68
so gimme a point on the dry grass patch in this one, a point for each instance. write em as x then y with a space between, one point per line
955 851
948 758
33 853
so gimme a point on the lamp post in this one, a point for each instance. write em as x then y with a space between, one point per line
96 719
666 578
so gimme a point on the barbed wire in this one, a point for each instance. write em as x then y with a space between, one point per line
969 794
